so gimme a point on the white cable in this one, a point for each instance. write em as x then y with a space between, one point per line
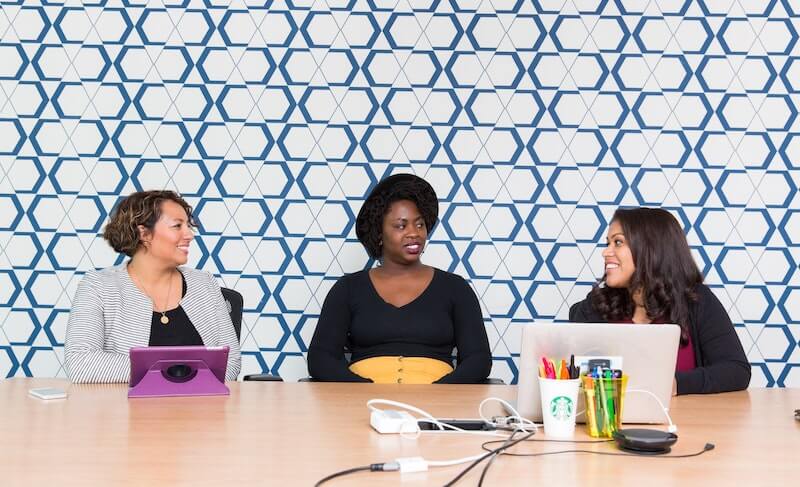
417 464
523 422
448 463
671 428
443 427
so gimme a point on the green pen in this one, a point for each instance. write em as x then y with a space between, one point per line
610 404
601 405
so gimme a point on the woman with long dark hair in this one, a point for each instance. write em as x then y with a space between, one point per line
651 277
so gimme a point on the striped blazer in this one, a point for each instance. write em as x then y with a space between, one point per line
110 315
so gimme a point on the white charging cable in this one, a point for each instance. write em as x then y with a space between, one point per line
672 428
428 418
420 464
518 421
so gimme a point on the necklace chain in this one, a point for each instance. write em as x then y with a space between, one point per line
164 318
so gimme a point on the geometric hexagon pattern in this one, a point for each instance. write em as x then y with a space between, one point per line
533 121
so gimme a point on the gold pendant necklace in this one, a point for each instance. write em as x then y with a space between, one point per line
164 318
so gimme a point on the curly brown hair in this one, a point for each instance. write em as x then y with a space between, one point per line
666 272
369 223
142 208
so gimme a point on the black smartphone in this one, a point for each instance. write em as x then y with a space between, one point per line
464 424
603 363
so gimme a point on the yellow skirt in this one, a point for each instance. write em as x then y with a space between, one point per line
401 370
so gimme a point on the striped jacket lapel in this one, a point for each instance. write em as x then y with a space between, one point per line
137 315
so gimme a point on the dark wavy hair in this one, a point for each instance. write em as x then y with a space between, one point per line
140 208
665 273
369 223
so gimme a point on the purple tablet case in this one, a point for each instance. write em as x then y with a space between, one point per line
178 371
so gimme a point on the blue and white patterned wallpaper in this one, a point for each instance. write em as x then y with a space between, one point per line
534 120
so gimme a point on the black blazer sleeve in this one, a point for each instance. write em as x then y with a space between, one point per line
326 361
474 358
721 363
584 312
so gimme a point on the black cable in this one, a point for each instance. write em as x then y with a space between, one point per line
544 441
494 457
495 453
484 457
707 447
375 467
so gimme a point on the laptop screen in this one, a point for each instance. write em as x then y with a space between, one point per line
647 354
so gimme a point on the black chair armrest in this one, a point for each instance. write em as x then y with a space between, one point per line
263 378
307 379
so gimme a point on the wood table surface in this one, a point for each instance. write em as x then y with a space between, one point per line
272 433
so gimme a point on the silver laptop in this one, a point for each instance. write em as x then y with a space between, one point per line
647 354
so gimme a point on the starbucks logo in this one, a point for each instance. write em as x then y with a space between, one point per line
561 408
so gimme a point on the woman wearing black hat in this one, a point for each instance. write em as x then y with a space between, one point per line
401 320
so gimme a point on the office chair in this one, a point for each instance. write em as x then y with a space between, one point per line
235 303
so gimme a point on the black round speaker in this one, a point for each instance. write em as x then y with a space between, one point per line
645 441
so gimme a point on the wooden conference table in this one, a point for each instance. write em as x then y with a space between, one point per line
268 433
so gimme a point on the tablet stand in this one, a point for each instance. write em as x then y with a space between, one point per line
159 382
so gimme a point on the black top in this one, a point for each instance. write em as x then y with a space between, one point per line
721 363
446 315
178 332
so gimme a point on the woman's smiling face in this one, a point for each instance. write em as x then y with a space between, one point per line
617 258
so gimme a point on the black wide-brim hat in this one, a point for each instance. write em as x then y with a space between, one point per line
399 184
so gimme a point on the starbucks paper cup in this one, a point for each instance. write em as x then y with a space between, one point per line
559 402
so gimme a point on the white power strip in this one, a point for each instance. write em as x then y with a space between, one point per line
390 421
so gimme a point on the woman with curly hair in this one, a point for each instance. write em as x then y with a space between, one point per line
400 320
651 277
150 300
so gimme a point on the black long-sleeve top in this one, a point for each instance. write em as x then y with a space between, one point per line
178 332
721 363
446 315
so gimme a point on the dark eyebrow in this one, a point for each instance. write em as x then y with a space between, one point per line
612 236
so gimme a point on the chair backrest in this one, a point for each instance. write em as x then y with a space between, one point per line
235 303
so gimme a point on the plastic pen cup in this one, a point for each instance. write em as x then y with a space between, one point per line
605 399
559 402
